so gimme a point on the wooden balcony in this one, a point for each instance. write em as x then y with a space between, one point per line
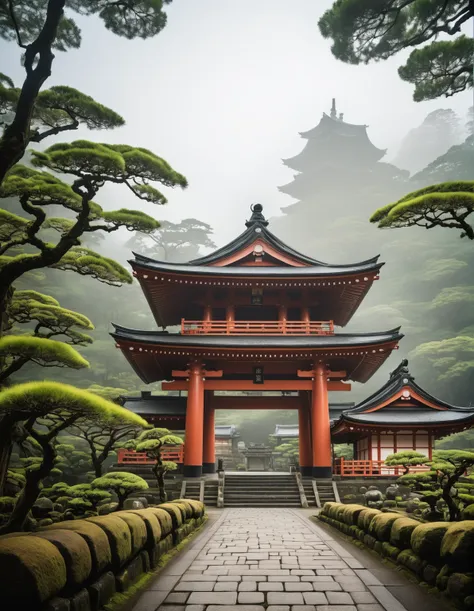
370 468
129 457
257 327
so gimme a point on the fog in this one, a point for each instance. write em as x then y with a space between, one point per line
222 94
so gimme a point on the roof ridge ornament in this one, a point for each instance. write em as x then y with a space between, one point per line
257 217
402 370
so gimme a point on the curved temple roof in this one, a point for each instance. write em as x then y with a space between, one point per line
257 230
385 406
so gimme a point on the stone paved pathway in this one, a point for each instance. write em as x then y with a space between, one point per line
274 559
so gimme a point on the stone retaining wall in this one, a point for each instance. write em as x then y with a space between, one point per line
78 565
438 553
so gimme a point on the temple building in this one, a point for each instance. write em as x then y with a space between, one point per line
254 315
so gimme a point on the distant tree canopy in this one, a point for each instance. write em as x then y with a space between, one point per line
40 27
443 205
456 164
177 241
366 30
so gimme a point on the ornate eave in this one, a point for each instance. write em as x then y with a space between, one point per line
154 355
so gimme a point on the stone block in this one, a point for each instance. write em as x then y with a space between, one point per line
58 604
81 601
102 590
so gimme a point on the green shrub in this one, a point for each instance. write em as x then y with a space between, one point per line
426 540
7 503
468 512
95 538
118 534
32 571
381 525
458 545
400 534
75 552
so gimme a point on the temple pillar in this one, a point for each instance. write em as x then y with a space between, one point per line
193 443
304 433
209 441
320 424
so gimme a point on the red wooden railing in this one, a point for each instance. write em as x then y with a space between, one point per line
129 457
369 468
257 327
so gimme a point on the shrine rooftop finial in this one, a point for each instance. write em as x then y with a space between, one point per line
257 216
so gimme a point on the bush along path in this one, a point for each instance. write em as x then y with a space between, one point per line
440 554
81 564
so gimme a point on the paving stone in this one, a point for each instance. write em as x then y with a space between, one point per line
285 598
283 578
195 586
177 597
192 577
278 608
235 608
194 608
270 586
317 578
326 586
302 586
248 586
250 598
315 598
226 586
363 597
336 608
254 578
213 598
339 598
303 608
375 607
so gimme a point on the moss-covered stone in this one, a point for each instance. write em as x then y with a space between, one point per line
459 586
430 573
95 538
365 517
127 576
326 508
153 528
75 552
381 525
468 512
165 520
457 548
442 578
390 551
32 571
175 513
197 506
400 533
137 529
120 539
412 561
186 508
351 513
426 540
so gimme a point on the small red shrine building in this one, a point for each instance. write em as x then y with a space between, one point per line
255 315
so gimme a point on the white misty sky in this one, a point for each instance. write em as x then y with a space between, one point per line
222 93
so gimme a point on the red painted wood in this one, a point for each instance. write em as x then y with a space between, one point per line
194 417
255 327
128 457
369 468
321 433
209 449
249 385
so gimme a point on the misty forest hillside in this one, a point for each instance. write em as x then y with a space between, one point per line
335 182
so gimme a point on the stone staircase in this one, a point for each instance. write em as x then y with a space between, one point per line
193 489
325 490
309 491
266 490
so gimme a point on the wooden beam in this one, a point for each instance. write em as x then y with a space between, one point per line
177 373
226 402
301 373
273 385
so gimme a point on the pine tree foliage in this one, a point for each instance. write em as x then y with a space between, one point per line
456 164
406 459
92 165
365 30
122 484
45 409
41 26
442 205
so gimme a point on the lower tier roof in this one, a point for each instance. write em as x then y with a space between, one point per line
155 354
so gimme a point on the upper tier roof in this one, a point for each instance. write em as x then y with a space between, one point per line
401 402
221 262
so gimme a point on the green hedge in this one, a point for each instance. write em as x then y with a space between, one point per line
439 553
93 557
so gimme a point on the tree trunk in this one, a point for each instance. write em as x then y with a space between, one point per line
159 473
448 499
121 500
38 63
6 444
31 491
